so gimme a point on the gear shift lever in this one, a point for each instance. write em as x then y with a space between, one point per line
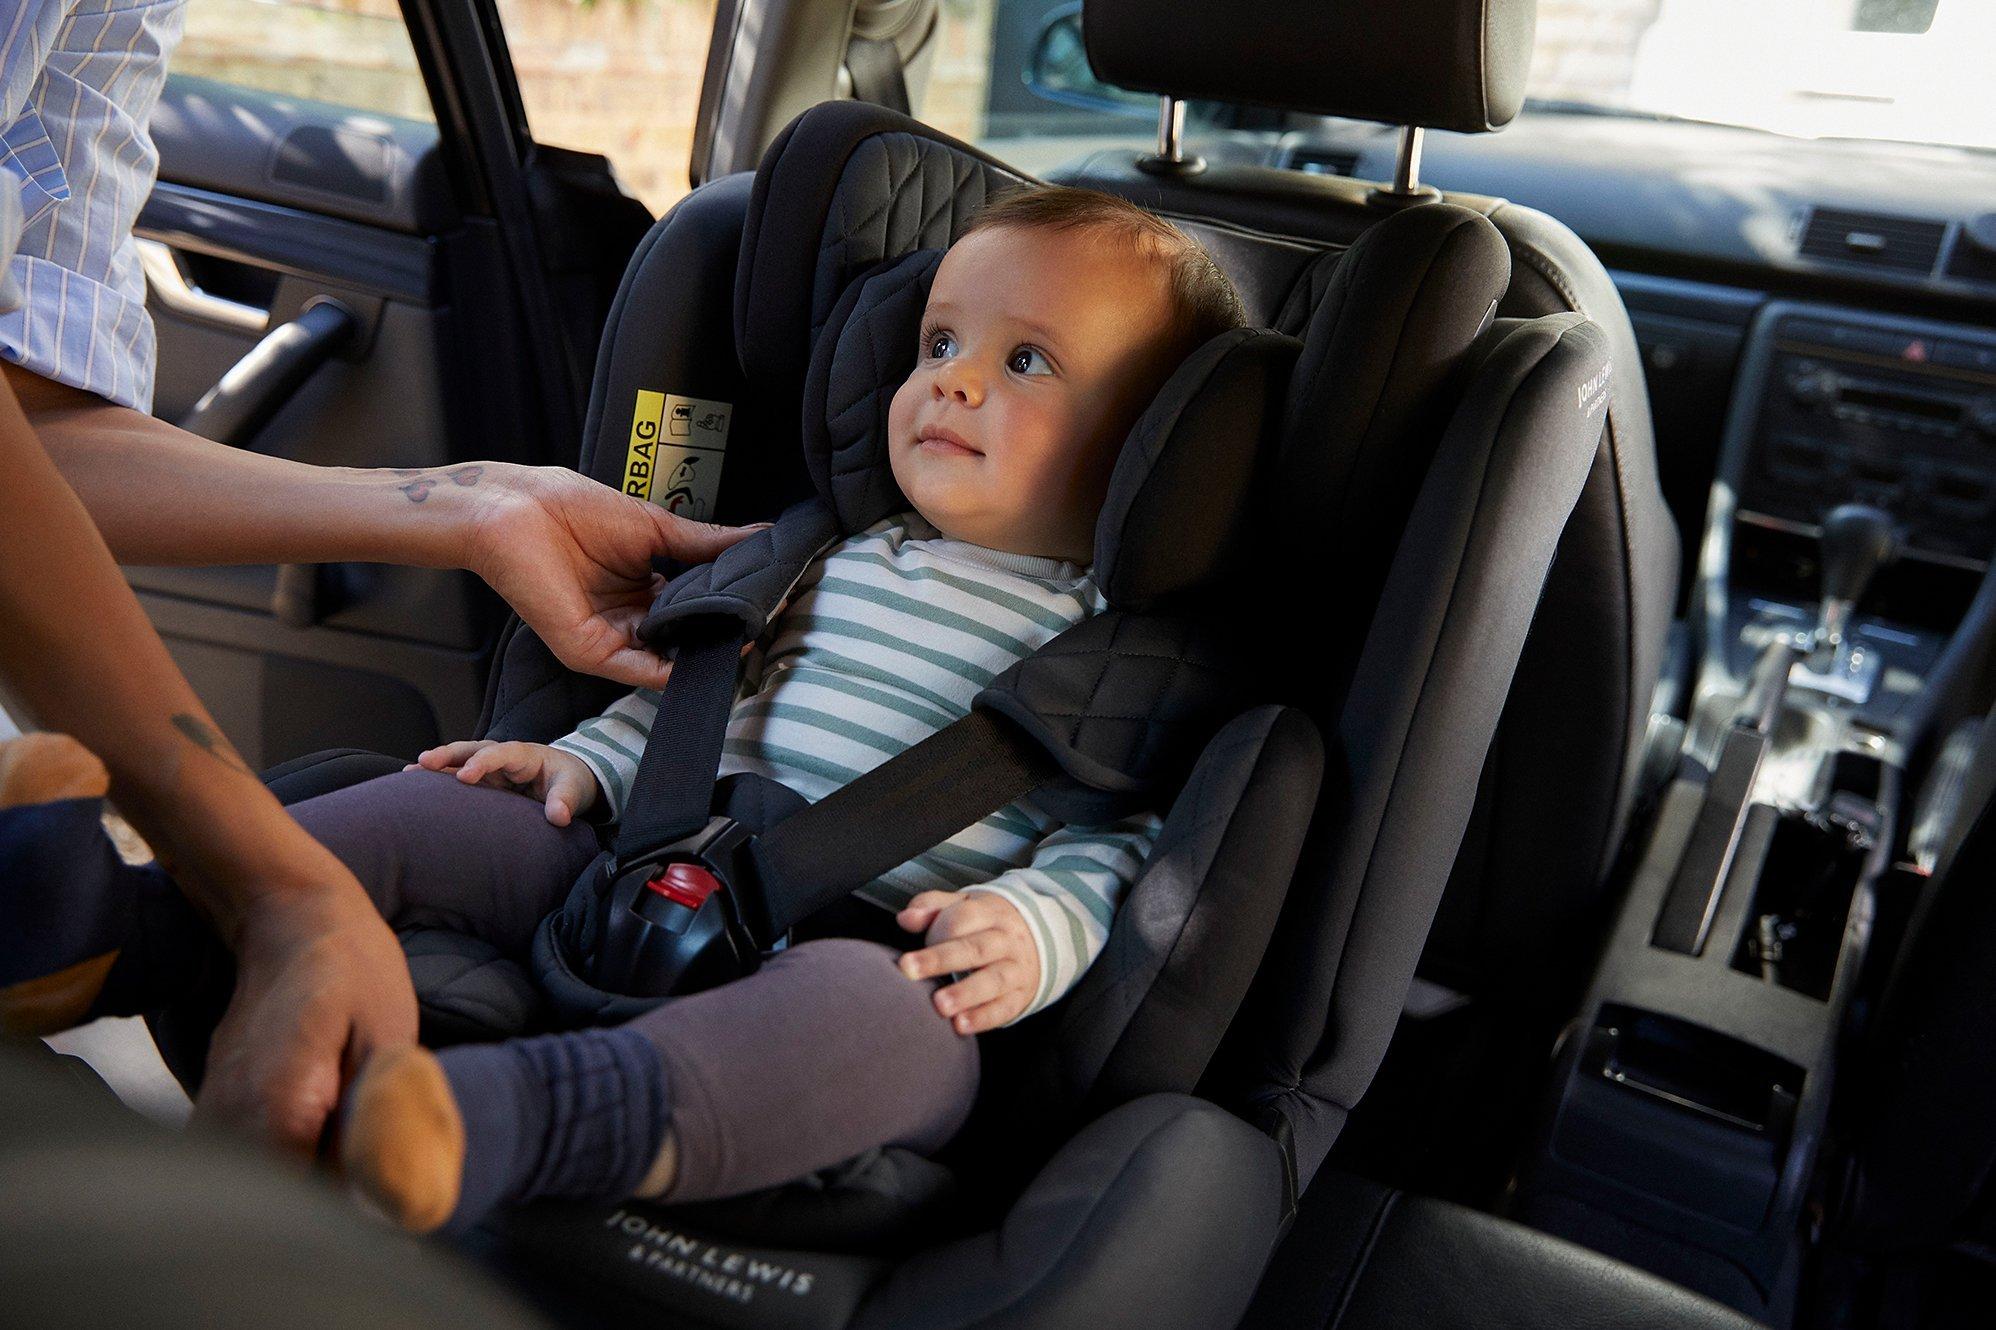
1858 540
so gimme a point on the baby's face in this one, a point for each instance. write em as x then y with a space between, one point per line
1039 349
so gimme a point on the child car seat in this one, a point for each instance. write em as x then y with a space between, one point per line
1192 1128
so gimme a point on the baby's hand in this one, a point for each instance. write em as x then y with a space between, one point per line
561 781
984 934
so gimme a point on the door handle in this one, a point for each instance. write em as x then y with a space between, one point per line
181 296
253 389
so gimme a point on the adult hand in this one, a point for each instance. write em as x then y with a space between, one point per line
573 558
320 983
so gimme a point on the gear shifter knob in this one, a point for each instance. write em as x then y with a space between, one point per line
1858 540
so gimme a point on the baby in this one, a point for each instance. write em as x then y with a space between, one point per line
1050 325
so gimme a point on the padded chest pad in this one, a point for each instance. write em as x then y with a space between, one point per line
1124 702
750 578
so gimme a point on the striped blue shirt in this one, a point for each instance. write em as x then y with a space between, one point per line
78 82
885 640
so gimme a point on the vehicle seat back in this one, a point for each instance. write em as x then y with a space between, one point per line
1559 782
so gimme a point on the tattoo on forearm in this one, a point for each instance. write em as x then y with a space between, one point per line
205 737
419 489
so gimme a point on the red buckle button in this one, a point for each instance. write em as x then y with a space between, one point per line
685 884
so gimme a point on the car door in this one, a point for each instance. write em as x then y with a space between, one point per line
348 191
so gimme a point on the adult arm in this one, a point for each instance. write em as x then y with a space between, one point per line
571 556
320 980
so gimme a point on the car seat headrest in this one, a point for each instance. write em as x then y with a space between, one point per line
1179 495
1444 64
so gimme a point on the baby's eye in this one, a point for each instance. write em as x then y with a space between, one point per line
1026 360
938 345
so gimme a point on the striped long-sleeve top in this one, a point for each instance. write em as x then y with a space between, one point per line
886 639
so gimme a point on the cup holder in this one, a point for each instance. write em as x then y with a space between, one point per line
1795 926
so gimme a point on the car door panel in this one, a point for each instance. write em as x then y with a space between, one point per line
273 205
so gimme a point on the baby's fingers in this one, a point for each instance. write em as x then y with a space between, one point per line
513 763
920 912
568 794
991 1015
956 954
445 756
975 989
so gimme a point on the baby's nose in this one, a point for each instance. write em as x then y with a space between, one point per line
960 381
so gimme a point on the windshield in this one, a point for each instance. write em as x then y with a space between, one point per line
1911 70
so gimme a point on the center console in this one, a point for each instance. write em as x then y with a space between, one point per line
1837 406
1693 1087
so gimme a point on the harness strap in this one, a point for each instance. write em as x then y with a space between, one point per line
825 851
907 805
673 792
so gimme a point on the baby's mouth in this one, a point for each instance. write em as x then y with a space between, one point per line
936 439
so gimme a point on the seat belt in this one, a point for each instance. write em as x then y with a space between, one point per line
875 66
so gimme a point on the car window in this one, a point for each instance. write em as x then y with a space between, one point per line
1880 69
353 53
616 77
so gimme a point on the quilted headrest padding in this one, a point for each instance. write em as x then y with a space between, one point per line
847 185
1181 494
865 353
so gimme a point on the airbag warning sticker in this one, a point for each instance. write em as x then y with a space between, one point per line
677 447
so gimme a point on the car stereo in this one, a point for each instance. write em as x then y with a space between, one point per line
1896 414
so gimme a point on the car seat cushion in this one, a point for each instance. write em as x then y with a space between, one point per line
1123 703
1178 517
467 989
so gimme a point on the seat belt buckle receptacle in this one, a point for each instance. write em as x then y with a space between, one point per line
674 921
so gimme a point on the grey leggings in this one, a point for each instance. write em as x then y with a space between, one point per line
824 1053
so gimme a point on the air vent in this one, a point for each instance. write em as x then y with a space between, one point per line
1321 161
1900 244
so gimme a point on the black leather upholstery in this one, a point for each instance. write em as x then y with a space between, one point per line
1364 1257
1447 64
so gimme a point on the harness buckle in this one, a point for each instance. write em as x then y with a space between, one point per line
674 923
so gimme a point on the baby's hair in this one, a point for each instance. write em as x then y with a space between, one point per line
1204 300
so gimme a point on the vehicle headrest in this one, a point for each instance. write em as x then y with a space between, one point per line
1179 497
1444 64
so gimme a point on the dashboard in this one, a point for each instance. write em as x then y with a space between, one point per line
1817 322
